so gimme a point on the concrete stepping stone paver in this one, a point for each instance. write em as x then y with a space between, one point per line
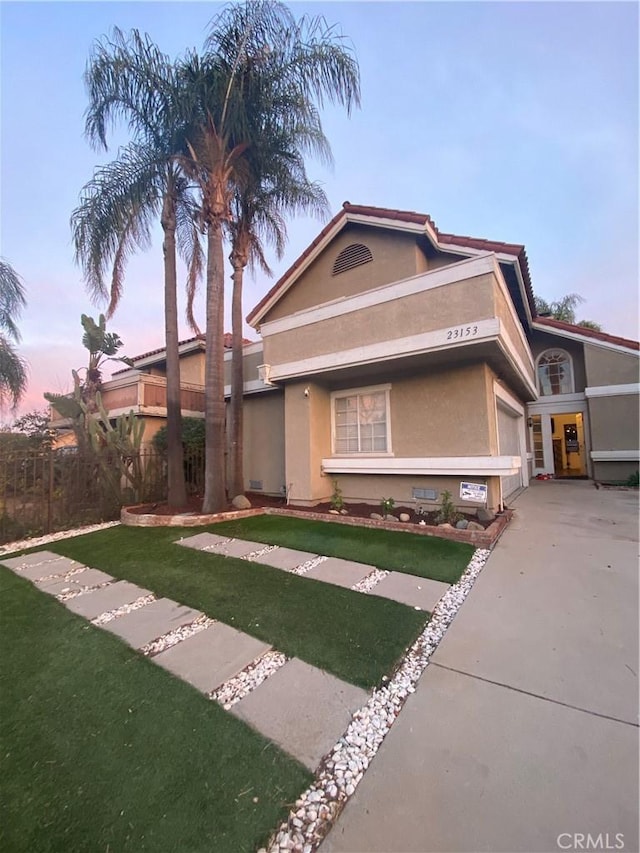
302 709
152 621
208 659
103 600
226 547
202 541
411 590
90 577
53 567
284 558
56 586
340 572
35 559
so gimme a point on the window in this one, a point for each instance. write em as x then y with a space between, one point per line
352 256
555 373
361 421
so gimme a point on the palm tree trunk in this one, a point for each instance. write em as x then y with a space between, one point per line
177 492
214 476
237 382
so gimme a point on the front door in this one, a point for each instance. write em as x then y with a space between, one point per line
557 442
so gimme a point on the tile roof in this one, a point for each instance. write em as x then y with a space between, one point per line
587 333
410 217
228 343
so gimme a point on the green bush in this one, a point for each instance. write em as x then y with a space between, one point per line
447 514
337 501
387 505
192 435
633 480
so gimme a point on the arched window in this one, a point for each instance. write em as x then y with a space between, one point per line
555 373
352 256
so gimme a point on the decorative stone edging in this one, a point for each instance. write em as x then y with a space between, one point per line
480 538
370 581
74 592
339 773
135 519
110 615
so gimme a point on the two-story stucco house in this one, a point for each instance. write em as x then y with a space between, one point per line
401 361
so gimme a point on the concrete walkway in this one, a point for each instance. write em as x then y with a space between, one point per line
522 734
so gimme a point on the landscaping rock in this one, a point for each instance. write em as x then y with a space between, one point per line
462 524
485 515
376 516
390 518
405 517
344 512
473 525
446 526
334 512
241 502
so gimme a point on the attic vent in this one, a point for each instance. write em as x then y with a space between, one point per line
353 256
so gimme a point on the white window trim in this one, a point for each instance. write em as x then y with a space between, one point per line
350 392
572 375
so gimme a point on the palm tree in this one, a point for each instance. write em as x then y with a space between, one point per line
130 79
13 368
564 309
262 70
276 184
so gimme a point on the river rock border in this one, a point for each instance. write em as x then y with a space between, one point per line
340 772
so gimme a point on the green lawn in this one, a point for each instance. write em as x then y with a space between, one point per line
426 556
104 752
357 637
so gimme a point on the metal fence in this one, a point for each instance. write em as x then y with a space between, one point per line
44 491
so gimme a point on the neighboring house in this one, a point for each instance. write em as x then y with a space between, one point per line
401 361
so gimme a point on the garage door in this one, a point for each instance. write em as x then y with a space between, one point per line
509 444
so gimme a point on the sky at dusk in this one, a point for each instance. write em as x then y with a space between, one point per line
511 121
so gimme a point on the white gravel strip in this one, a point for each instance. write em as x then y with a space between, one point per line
176 636
244 682
370 581
64 577
110 615
303 568
10 547
83 590
213 546
254 555
341 771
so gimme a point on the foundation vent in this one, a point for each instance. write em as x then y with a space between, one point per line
352 256
255 485
424 494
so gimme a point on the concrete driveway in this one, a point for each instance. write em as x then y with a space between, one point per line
523 732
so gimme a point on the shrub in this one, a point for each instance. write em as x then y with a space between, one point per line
633 480
192 435
447 514
337 501
386 505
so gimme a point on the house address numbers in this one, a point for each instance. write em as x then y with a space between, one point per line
461 332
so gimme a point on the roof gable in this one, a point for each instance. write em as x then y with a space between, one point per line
407 221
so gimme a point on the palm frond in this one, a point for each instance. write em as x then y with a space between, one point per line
12 299
13 374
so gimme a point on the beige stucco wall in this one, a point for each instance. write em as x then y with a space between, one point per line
451 305
614 422
371 488
541 341
613 472
513 329
607 367
394 257
442 413
263 436
307 440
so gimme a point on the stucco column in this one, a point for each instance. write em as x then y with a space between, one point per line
307 418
